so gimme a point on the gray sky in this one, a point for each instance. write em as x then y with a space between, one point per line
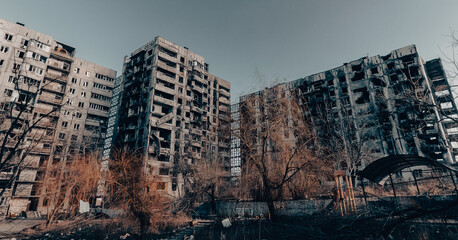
282 40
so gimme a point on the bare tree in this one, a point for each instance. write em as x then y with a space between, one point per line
277 145
131 187
203 180
78 181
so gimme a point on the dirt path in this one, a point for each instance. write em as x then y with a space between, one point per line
10 228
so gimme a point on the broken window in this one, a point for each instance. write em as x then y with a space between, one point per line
364 98
374 70
378 82
356 68
390 66
394 78
358 76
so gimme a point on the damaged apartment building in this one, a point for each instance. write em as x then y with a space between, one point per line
174 110
61 99
384 105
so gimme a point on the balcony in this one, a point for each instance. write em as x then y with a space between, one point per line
165 66
26 87
97 112
163 100
163 88
49 99
197 109
46 109
45 151
54 87
224 92
57 77
223 108
5 175
92 122
224 100
62 56
164 77
46 123
104 92
100 102
197 78
60 66
197 88
166 56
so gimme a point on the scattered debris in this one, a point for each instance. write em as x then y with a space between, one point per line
124 236
226 223
84 206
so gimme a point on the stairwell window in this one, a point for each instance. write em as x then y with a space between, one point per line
61 136
3 49
8 37
16 67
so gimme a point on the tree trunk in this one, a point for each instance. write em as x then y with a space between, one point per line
213 201
269 199
144 224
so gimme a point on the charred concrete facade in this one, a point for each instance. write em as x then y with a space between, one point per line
173 108
71 96
394 104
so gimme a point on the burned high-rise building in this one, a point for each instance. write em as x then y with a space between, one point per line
172 107
378 106
53 106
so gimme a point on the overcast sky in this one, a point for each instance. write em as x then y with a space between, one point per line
282 40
